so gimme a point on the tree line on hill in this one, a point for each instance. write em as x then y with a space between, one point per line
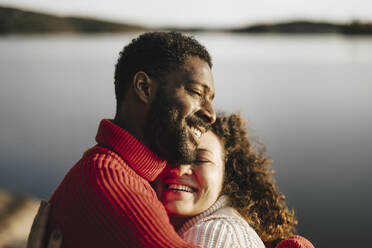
20 21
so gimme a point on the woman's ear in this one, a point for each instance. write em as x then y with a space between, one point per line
143 86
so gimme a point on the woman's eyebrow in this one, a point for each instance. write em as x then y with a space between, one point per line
204 150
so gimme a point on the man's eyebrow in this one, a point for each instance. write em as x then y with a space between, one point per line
200 83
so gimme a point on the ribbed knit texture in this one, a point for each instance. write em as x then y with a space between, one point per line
105 200
220 226
295 242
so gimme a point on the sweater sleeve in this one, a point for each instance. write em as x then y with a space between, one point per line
222 233
100 204
295 242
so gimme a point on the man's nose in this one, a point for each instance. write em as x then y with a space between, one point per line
181 170
207 112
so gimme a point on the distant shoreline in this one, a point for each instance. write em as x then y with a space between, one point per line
16 21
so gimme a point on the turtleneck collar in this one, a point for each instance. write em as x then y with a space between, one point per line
221 202
140 158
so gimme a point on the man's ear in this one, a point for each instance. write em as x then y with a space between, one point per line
143 86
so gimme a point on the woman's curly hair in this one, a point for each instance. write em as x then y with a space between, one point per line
249 182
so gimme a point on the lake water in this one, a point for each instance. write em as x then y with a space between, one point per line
308 98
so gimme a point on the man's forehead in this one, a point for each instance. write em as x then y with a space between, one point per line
197 65
199 72
195 71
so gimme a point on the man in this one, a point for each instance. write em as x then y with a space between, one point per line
164 90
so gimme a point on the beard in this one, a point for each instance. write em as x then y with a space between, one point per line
167 133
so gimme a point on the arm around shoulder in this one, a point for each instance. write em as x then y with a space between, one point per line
295 242
103 205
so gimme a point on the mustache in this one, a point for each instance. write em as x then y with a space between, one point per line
196 121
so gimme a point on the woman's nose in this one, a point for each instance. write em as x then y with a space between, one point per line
182 170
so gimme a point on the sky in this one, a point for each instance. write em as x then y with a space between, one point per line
203 13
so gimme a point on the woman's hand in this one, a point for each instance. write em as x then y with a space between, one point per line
38 230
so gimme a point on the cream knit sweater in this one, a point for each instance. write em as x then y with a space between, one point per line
220 226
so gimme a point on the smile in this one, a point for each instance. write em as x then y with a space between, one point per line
180 187
196 131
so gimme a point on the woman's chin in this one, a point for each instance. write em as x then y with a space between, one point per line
178 209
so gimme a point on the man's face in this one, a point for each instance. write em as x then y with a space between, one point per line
181 112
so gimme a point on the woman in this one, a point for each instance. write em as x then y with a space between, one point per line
228 172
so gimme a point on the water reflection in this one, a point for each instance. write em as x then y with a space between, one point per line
307 97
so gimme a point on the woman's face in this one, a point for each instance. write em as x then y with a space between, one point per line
188 190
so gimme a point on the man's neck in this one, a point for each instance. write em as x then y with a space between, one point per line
130 126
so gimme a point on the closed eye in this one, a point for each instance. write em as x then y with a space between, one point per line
195 92
201 161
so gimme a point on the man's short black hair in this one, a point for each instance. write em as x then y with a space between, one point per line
155 53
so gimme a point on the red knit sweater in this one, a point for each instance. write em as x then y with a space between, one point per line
105 200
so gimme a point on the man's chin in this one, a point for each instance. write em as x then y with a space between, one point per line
182 156
181 160
181 152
